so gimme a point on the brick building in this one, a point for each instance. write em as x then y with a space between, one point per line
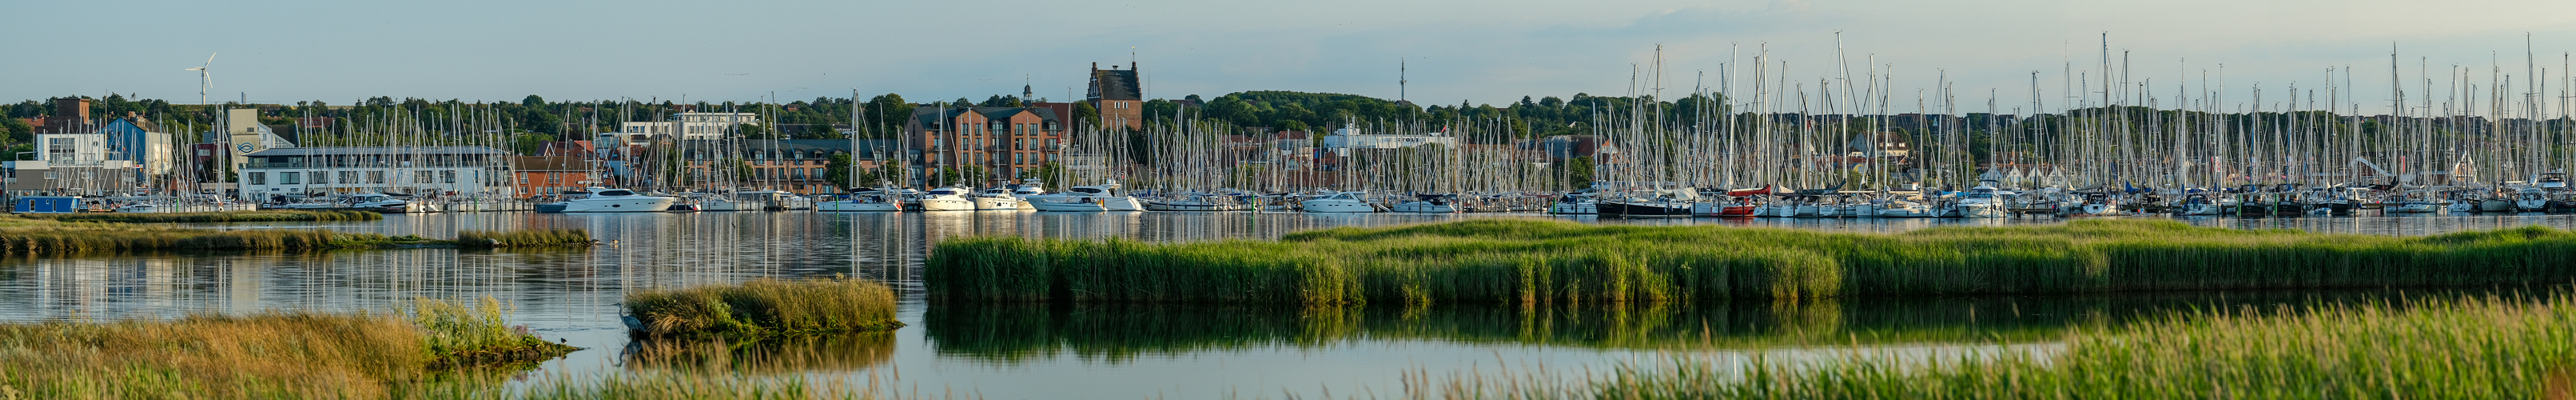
1004 142
544 175
1118 95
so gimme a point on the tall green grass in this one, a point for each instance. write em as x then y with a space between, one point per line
1534 261
2469 349
30 236
764 308
270 355
526 238
201 217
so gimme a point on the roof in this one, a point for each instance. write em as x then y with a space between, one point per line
376 150
1114 84
555 163
937 117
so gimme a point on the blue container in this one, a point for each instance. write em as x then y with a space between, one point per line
48 205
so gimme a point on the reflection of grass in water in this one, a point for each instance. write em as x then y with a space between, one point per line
2474 347
1122 332
1530 262
849 352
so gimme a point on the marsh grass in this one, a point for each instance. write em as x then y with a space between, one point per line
460 335
526 238
764 308
204 217
1536 261
35 236
2471 348
269 355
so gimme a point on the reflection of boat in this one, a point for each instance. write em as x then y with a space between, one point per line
605 200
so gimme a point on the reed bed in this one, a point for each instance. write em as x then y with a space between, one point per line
32 236
526 238
2488 348
205 217
1537 261
764 308
270 355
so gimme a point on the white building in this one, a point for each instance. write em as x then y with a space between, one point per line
1342 140
423 170
698 125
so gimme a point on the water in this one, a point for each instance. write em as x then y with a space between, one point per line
1082 351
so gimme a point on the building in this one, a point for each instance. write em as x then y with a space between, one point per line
139 140
74 156
1342 140
243 135
1003 142
1118 95
424 170
793 165
542 175
693 126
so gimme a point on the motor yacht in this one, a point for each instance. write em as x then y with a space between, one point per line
605 200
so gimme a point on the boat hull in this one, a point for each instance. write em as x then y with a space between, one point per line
1623 209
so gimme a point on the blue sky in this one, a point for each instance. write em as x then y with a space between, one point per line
1478 51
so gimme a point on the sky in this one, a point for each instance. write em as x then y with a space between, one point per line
1491 51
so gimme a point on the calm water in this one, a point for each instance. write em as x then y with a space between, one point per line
1085 351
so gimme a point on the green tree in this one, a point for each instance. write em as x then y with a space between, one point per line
753 131
837 171
1051 174
1084 113
1578 172
17 130
530 143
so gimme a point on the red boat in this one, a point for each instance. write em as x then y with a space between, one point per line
1765 189
1742 208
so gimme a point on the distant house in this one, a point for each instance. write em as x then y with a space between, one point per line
1118 95
793 165
543 175
442 170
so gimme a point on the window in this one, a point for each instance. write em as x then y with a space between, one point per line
258 178
375 176
288 178
447 176
348 177
554 179
421 177
523 179
320 178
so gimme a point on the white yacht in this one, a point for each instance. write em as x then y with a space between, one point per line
946 199
1983 201
996 199
1580 203
774 200
1337 202
603 200
868 201
1428 204
1086 198
379 203
2530 199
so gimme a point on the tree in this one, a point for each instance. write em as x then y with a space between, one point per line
1051 174
17 130
1084 113
823 131
1578 172
532 101
837 171
530 143
753 131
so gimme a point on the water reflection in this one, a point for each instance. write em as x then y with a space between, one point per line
1025 333
836 353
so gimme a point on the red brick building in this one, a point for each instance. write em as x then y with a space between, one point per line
546 175
1118 95
1003 142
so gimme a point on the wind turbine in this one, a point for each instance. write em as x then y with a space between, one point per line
205 79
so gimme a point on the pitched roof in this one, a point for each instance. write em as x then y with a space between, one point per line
1114 84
